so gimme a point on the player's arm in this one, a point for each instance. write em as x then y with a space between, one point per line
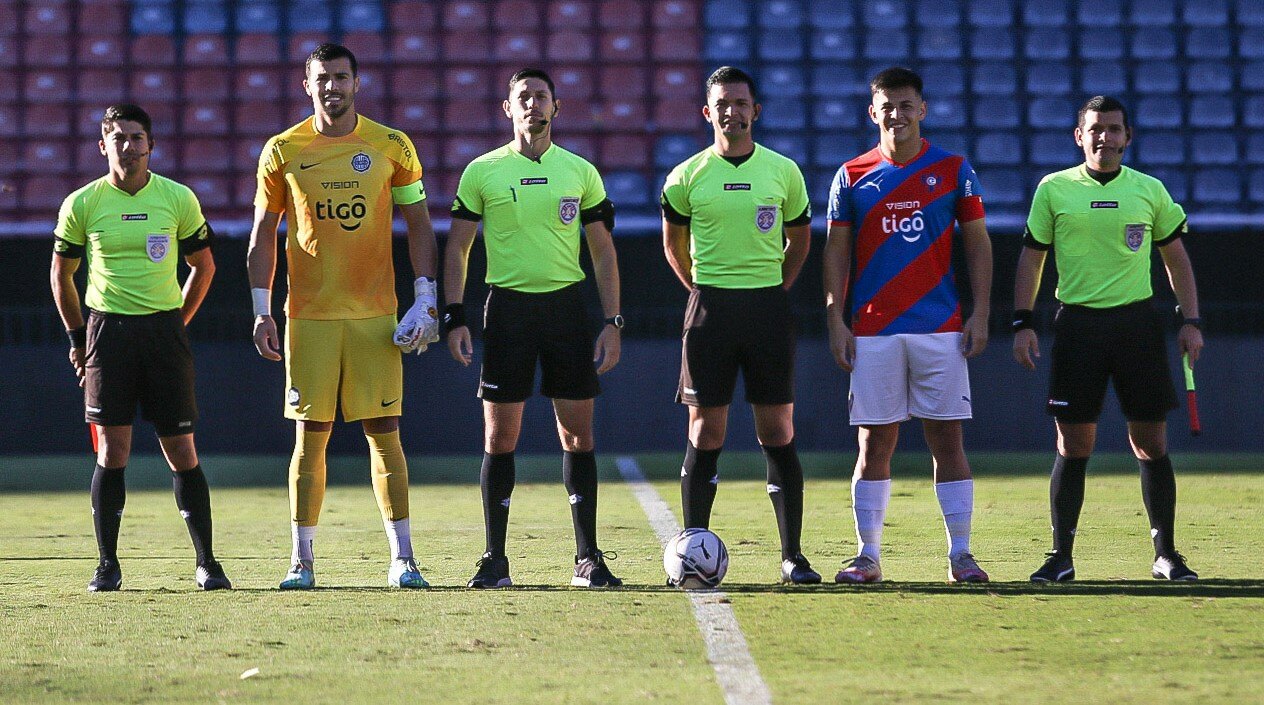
606 267
260 268
798 243
1180 273
978 252
676 247
201 271
1031 265
456 259
420 325
66 297
836 274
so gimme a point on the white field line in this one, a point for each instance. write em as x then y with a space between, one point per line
735 669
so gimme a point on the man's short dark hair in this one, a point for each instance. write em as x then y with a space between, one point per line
526 73
1102 104
328 52
896 77
731 74
127 111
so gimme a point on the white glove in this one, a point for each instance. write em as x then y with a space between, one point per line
420 326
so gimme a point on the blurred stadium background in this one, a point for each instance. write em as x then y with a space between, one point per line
1004 78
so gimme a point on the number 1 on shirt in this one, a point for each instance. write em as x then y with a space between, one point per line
1191 397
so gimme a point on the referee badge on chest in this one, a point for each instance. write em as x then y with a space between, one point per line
765 218
567 209
156 246
1134 235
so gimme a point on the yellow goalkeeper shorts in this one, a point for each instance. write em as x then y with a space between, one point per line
349 361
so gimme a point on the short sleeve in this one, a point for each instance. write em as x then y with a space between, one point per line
469 193
270 191
594 190
1169 215
676 193
969 194
406 186
840 210
192 222
70 226
797 202
1040 219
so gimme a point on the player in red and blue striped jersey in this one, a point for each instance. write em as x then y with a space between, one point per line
897 207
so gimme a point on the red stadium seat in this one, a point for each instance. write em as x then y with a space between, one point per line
574 82
467 46
413 15
9 20
470 115
258 50
516 15
260 118
164 115
618 115
441 190
676 14
371 107
212 191
45 193
49 157
153 51
623 82
469 82
623 45
415 115
102 17
88 124
10 125
298 110
206 50
153 85
414 82
48 86
101 50
624 151
205 84
47 17
10 92
206 119
260 83
581 144
47 52
372 83
571 14
618 14
677 45
244 188
466 15
88 158
677 81
10 56
246 153
206 155
580 114
301 45
517 47
461 149
10 156
570 45
414 47
97 85
368 47
678 114
9 201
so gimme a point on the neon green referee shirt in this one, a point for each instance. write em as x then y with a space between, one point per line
736 214
132 242
531 213
1102 234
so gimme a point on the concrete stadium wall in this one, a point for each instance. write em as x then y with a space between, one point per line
240 397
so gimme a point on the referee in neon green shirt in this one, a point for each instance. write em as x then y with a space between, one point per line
133 226
1101 220
532 197
736 230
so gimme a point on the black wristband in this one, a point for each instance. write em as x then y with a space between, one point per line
78 337
1024 319
453 317
1195 322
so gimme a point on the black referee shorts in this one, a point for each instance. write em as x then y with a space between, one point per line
140 360
521 329
727 330
1092 346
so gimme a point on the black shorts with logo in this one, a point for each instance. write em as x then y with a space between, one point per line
731 330
1092 346
521 329
140 360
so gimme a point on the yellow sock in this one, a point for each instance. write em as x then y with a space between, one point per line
390 474
307 476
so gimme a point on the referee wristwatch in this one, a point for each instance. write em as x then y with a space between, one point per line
616 320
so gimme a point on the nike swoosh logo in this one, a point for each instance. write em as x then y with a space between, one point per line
388 403
305 167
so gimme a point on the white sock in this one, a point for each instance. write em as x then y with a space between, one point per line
400 536
303 537
869 499
956 499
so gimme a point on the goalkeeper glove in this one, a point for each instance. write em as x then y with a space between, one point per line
420 326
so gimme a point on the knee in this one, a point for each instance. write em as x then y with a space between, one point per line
497 443
878 442
576 442
1149 448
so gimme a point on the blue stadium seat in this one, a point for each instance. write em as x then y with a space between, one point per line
1050 13
1099 13
1253 76
946 112
362 16
1003 187
1176 180
885 14
1156 43
1157 77
888 45
833 80
833 44
994 78
727 47
1253 111
997 148
205 18
1047 44
671 149
311 16
1103 78
629 189
781 14
939 43
834 114
726 14
827 14
1158 111
258 18
1250 13
990 13
1207 13
954 142
833 150
1153 13
781 45
1101 44
153 18
783 80
1218 186
1214 148
1053 149
1251 43
792 146
1255 188
1049 79
937 14
1208 43
992 43
1255 148
943 79
819 182
1209 77
1158 148
1051 113
996 112
784 114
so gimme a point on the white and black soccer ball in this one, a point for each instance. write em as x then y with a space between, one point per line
695 559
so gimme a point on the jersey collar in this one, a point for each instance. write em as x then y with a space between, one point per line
1082 174
754 153
148 182
540 160
920 152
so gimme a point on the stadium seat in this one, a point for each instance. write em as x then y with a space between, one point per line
950 140
939 43
10 20
827 14
726 14
469 83
204 17
889 45
1252 76
1253 112
569 14
832 45
10 157
301 45
885 14
414 46
469 115
369 47
1047 13
415 115
1053 149
213 192
1212 111
206 50
1208 43
1157 43
88 158
999 148
780 45
725 46
792 146
47 18
47 52
630 190
48 86
102 18
1158 111
619 45
516 15
45 193
783 80
207 156
1206 13
105 86
580 81
679 115
260 118
996 112
617 14
684 14
992 43
152 18
1250 13
583 145
1046 45
784 114
259 83
465 15
1051 113
258 16
624 151
836 114
1214 148
153 51
1098 43
830 151
994 78
1251 43
1099 13
467 46
257 50
461 149
1157 77
990 13
1159 148
583 114
517 47
413 15
1003 187
87 117
675 45
361 16
311 16
571 46
1152 13
49 156
781 14
673 81
633 81
1218 186
11 126
1255 147
97 50
621 114
1103 78
1175 180
1255 187
946 113
942 79
1049 79
200 84
206 119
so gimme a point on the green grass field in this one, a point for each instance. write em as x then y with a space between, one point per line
1113 636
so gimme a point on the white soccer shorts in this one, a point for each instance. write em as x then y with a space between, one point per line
898 377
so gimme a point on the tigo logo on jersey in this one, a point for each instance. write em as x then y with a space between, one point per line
361 162
1134 235
765 218
157 246
348 214
567 209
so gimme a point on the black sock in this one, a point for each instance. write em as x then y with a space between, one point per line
1158 490
786 475
698 480
579 474
193 499
1066 498
109 494
497 479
